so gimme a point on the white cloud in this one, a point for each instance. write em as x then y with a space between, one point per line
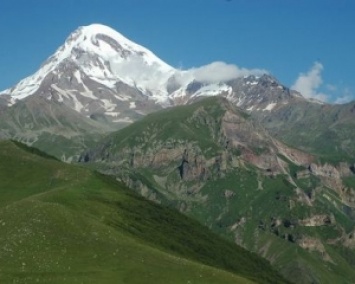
309 83
215 72
220 72
345 98
134 70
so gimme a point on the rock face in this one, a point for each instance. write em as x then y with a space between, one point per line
324 171
349 240
313 244
332 177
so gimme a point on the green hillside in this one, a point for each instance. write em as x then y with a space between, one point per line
215 164
66 224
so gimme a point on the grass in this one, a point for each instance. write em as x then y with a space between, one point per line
349 181
66 224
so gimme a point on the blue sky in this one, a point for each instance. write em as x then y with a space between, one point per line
307 44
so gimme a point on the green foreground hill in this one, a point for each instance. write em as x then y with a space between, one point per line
66 224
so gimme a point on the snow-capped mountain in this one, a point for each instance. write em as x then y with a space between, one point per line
99 72
104 56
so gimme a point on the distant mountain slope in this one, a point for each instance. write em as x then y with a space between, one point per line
62 223
317 127
50 126
323 129
213 162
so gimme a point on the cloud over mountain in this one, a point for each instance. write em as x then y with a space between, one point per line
220 72
308 84
347 96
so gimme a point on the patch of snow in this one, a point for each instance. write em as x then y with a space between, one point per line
108 105
240 101
178 93
122 98
132 105
112 113
60 92
270 106
109 83
78 76
77 104
213 90
11 102
87 93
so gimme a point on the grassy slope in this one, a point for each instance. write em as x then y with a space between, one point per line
61 223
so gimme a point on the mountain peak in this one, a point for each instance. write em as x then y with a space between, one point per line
97 42
94 30
103 55
107 42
